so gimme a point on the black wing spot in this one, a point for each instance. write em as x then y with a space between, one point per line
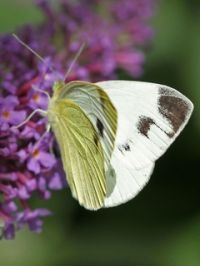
100 127
125 147
144 125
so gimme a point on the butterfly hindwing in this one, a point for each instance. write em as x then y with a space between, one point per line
81 152
98 108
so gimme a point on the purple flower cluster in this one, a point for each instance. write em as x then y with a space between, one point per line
113 42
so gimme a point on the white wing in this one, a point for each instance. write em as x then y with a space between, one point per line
127 182
150 117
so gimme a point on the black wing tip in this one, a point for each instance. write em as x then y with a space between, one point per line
175 107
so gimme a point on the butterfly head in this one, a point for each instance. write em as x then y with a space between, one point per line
58 87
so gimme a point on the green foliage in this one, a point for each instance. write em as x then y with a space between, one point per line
15 13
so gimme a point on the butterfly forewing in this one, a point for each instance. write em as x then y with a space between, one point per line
150 117
81 152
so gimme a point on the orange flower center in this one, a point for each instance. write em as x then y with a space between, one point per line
36 153
36 98
6 114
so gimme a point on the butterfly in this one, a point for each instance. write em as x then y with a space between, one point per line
111 133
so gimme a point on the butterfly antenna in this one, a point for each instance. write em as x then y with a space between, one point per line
28 47
75 59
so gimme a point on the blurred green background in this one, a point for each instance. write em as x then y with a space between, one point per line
161 226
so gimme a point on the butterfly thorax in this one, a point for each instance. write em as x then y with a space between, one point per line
58 87
57 110
55 106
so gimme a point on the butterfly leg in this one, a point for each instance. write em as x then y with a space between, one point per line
43 136
40 111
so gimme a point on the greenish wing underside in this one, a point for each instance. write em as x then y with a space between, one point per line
82 154
99 109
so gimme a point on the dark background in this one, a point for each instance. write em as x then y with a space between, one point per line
161 226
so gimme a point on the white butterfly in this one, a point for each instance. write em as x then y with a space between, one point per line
135 123
111 133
